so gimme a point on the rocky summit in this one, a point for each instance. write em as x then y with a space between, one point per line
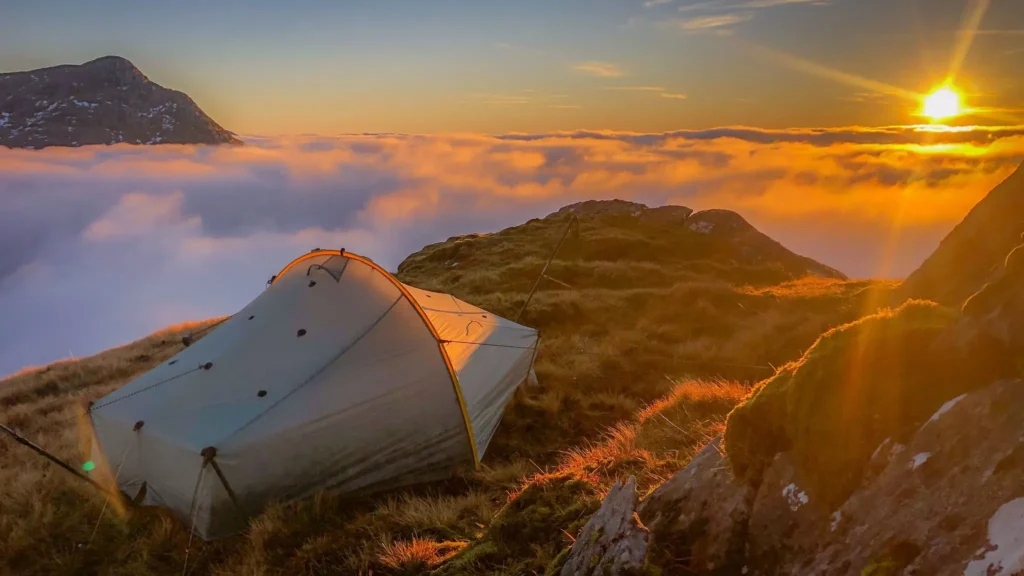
104 101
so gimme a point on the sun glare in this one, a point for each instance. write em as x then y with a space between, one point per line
941 104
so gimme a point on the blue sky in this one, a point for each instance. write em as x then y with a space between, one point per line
319 66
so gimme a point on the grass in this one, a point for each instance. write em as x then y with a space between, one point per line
659 335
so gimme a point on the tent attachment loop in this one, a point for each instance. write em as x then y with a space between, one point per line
209 454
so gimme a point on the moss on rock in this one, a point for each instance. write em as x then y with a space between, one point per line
879 377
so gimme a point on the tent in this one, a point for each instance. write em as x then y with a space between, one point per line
337 375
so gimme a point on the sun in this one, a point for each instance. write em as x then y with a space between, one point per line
941 104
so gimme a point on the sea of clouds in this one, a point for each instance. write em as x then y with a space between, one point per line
101 245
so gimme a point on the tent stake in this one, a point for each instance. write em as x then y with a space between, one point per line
35 448
573 220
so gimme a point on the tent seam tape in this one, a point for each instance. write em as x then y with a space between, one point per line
426 320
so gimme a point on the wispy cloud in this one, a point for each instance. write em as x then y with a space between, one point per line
567 106
774 3
656 90
500 99
868 97
701 23
706 5
652 3
522 97
600 69
636 88
722 15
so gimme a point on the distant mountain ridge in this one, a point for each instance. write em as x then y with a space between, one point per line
103 101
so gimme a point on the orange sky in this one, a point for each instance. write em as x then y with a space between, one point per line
324 67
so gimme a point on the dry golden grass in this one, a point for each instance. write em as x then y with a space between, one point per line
639 364
416 556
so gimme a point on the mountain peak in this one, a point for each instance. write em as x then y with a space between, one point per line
974 251
107 100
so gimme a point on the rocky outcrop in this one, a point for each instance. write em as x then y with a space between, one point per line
940 495
973 252
949 501
613 542
720 233
698 519
996 311
104 101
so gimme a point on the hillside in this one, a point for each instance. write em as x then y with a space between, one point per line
973 251
651 331
104 101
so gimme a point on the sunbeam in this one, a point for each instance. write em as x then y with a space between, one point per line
973 14
822 71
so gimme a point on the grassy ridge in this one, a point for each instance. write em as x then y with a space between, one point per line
647 344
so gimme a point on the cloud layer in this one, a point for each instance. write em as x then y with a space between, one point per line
105 244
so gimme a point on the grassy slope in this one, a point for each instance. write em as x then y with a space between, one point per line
625 357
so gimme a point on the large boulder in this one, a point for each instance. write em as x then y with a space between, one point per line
698 519
859 384
613 542
948 501
782 510
894 446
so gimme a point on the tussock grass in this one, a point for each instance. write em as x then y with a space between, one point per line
659 336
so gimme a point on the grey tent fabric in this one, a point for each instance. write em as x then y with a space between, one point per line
337 375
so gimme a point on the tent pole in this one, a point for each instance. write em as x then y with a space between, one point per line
573 220
38 450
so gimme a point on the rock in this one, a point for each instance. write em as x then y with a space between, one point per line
698 518
613 542
600 207
972 253
782 507
104 101
949 502
667 215
996 311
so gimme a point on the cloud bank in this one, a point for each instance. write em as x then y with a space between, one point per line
102 245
